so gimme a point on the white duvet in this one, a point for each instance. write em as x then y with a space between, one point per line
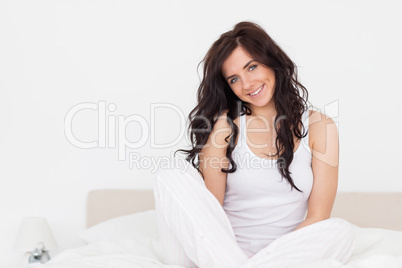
374 248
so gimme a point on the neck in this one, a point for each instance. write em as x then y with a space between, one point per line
268 112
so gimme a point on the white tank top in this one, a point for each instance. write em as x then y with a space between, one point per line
259 204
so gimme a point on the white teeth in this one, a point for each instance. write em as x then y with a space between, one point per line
255 93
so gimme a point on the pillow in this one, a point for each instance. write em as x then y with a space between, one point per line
135 226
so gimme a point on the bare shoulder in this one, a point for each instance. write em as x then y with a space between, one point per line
322 129
222 124
224 121
220 131
319 121
222 117
318 117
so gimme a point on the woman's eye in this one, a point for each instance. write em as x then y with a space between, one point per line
233 80
252 67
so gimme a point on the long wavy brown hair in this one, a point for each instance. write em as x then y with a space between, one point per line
215 96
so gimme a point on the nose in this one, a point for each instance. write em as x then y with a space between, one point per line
248 83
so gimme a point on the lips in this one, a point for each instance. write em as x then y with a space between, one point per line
256 92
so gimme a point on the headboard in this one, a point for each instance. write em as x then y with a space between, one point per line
110 203
376 210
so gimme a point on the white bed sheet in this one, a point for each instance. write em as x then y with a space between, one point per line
375 248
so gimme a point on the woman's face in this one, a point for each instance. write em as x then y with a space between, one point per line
251 81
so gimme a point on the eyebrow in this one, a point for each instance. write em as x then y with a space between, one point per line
245 66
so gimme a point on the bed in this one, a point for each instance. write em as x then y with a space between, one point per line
122 231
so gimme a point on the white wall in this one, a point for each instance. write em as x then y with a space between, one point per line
57 54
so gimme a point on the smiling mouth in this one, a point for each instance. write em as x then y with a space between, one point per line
255 92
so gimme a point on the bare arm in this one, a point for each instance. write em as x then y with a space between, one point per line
213 158
325 150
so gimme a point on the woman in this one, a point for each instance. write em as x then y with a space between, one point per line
271 164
